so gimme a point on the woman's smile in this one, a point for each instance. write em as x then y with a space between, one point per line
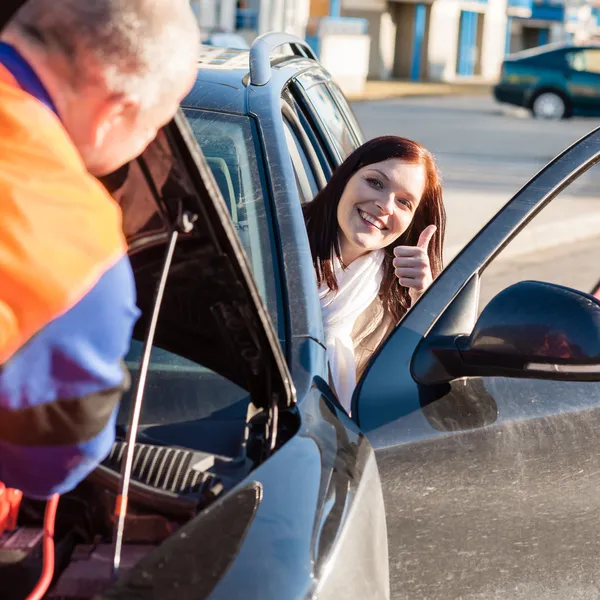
371 221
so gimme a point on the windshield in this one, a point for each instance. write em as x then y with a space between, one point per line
180 391
230 148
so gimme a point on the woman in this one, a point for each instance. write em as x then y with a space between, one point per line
376 233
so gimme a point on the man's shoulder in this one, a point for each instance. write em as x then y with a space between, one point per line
60 230
32 134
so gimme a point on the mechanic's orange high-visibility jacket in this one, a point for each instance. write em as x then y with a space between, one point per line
67 296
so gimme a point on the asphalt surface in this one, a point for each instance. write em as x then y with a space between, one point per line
576 266
479 144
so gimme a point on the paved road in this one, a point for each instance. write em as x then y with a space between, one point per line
576 266
479 144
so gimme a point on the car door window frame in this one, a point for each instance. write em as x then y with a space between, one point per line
305 180
312 160
375 401
349 116
312 139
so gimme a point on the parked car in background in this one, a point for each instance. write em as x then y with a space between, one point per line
552 81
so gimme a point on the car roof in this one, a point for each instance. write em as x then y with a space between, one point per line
548 48
223 77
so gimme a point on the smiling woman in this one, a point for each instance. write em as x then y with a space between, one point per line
376 233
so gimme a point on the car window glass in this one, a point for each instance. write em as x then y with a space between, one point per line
230 148
332 119
209 405
305 179
534 255
348 112
585 60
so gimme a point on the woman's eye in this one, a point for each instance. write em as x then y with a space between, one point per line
375 183
404 202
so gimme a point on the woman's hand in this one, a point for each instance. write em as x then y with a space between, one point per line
412 264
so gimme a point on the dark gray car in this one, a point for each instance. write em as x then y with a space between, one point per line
482 421
476 413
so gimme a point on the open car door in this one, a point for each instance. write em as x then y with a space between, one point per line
486 425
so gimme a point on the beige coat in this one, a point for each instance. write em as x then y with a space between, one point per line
370 330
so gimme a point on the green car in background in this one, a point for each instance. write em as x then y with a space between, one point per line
553 81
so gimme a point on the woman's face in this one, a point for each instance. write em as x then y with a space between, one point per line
378 205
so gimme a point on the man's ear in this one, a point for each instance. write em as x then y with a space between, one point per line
115 112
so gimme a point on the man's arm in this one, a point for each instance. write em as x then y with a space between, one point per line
67 305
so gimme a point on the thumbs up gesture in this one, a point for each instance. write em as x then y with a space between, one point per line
412 266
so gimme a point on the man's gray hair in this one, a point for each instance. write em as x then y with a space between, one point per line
138 47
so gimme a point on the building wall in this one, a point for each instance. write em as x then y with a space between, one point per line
444 38
382 31
290 16
215 14
494 39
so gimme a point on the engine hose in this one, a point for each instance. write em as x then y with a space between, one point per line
48 551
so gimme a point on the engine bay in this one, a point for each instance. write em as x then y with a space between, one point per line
170 486
198 301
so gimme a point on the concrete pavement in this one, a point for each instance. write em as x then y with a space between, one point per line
575 266
381 90
486 154
566 220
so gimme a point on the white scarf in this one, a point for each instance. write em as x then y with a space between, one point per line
358 287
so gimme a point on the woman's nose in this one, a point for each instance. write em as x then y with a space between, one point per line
386 203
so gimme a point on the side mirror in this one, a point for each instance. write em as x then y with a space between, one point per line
529 330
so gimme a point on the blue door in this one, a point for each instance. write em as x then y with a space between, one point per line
508 35
467 42
420 25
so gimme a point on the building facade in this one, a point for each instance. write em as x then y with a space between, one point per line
421 40
439 40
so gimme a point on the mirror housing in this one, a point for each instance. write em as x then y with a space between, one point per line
529 330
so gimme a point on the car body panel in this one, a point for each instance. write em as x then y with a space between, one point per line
319 520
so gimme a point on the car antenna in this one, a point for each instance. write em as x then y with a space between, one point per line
185 224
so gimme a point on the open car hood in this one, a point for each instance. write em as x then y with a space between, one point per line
211 305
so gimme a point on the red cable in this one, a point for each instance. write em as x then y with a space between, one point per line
48 567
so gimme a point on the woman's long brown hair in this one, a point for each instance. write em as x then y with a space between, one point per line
322 224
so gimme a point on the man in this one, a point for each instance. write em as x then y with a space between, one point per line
84 88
